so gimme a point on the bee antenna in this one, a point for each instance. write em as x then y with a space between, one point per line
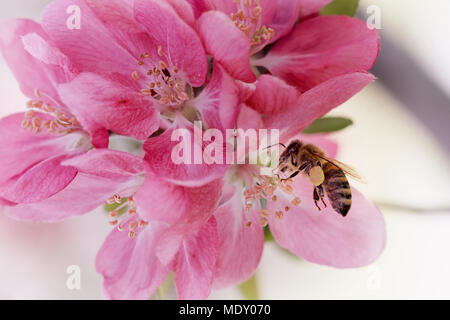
275 145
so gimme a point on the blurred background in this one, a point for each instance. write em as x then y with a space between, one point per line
400 141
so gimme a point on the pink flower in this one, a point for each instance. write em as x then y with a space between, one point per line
224 244
322 237
140 77
140 69
165 228
307 54
38 141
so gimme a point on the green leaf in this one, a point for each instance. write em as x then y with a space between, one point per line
328 124
341 7
249 288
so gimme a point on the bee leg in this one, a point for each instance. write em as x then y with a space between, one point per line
292 175
316 198
321 194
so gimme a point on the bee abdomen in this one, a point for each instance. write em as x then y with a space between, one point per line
337 189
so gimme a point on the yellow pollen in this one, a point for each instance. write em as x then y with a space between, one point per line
131 234
249 224
279 214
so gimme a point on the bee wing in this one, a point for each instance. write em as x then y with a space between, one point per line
348 170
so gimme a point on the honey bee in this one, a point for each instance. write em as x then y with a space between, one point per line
327 175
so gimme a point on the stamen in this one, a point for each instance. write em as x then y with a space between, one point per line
163 86
279 214
61 121
248 18
296 201
135 224
264 189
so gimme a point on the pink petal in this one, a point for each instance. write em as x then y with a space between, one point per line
322 48
308 7
130 267
218 103
326 237
184 10
195 262
101 174
84 194
198 6
43 76
281 16
27 149
202 201
39 182
92 47
58 66
108 164
227 44
159 156
177 39
272 95
117 13
316 102
240 246
101 104
157 200
249 119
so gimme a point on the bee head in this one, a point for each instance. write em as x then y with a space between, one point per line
288 159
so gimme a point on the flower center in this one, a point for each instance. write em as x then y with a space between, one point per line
124 215
268 189
59 124
162 82
248 18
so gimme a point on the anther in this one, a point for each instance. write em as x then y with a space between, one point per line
263 221
160 51
135 75
117 199
133 225
296 201
37 93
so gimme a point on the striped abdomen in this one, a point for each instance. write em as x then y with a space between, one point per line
337 188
